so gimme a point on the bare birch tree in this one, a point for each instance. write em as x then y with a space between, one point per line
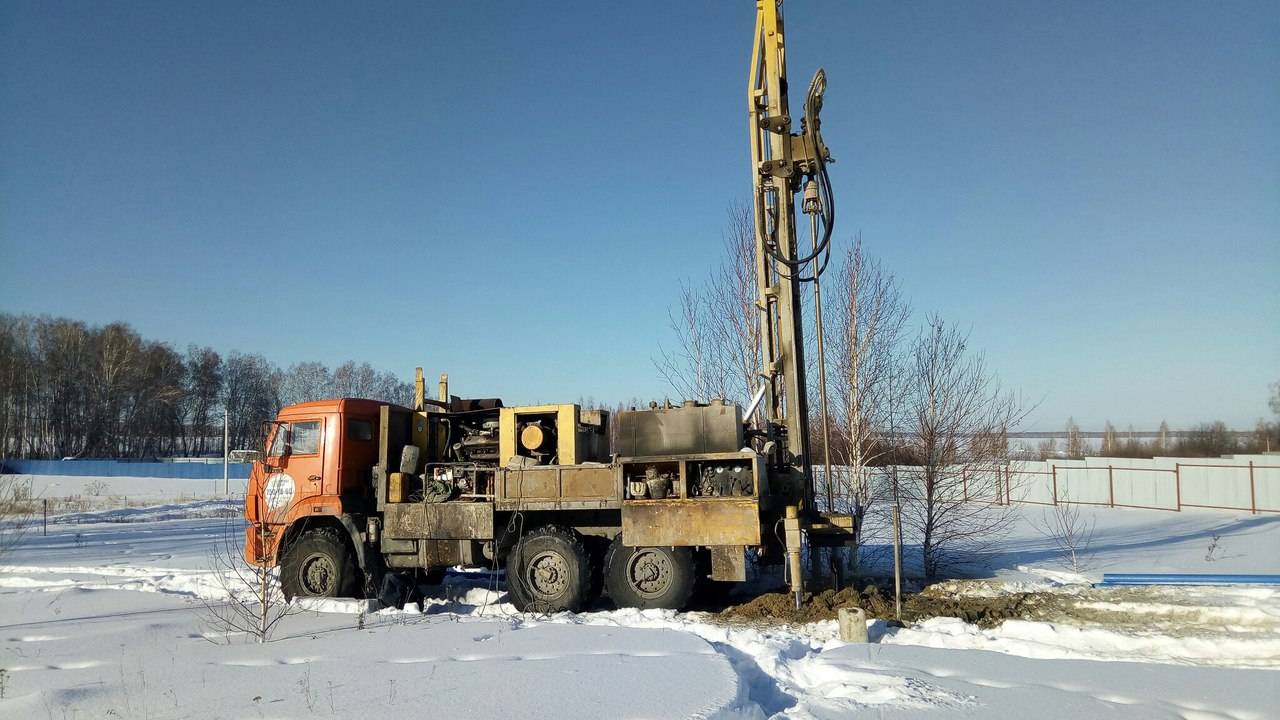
203 386
865 325
1077 446
250 395
717 325
306 381
362 381
957 424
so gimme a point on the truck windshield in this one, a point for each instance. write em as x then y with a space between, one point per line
278 439
303 438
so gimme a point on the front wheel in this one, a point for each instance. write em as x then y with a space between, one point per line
318 564
648 577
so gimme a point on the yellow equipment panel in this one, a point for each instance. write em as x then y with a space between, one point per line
565 418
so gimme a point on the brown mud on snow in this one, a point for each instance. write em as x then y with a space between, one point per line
779 608
1183 611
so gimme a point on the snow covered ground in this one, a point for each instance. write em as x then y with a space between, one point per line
105 617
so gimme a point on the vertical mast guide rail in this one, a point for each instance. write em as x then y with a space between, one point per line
786 164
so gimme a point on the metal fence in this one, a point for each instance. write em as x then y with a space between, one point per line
1243 483
1157 484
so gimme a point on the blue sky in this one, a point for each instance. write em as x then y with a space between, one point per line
513 192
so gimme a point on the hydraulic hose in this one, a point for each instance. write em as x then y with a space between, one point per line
813 136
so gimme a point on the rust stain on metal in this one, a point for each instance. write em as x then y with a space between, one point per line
528 483
588 482
710 521
445 521
559 482
729 563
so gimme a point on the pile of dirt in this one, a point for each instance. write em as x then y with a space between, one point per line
780 607
981 611
984 611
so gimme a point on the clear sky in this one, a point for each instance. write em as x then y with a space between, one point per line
512 192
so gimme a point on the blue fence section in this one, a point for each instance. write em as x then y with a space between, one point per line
126 468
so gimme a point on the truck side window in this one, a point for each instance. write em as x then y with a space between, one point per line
306 438
359 429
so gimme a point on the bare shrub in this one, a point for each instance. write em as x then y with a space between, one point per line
76 503
1071 532
1215 549
16 512
255 603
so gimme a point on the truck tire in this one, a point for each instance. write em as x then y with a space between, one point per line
319 564
648 577
548 571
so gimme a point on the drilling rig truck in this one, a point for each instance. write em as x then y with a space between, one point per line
572 502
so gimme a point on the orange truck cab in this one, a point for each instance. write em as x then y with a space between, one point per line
314 476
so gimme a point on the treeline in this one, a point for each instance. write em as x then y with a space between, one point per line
69 389
1206 440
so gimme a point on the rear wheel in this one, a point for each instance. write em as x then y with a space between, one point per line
549 570
319 564
648 577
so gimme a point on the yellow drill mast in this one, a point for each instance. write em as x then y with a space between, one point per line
785 164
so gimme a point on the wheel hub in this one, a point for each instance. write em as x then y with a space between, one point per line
649 572
547 575
318 574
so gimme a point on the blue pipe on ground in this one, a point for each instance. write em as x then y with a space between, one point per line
1116 579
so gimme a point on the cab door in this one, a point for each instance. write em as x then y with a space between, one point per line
359 454
299 445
